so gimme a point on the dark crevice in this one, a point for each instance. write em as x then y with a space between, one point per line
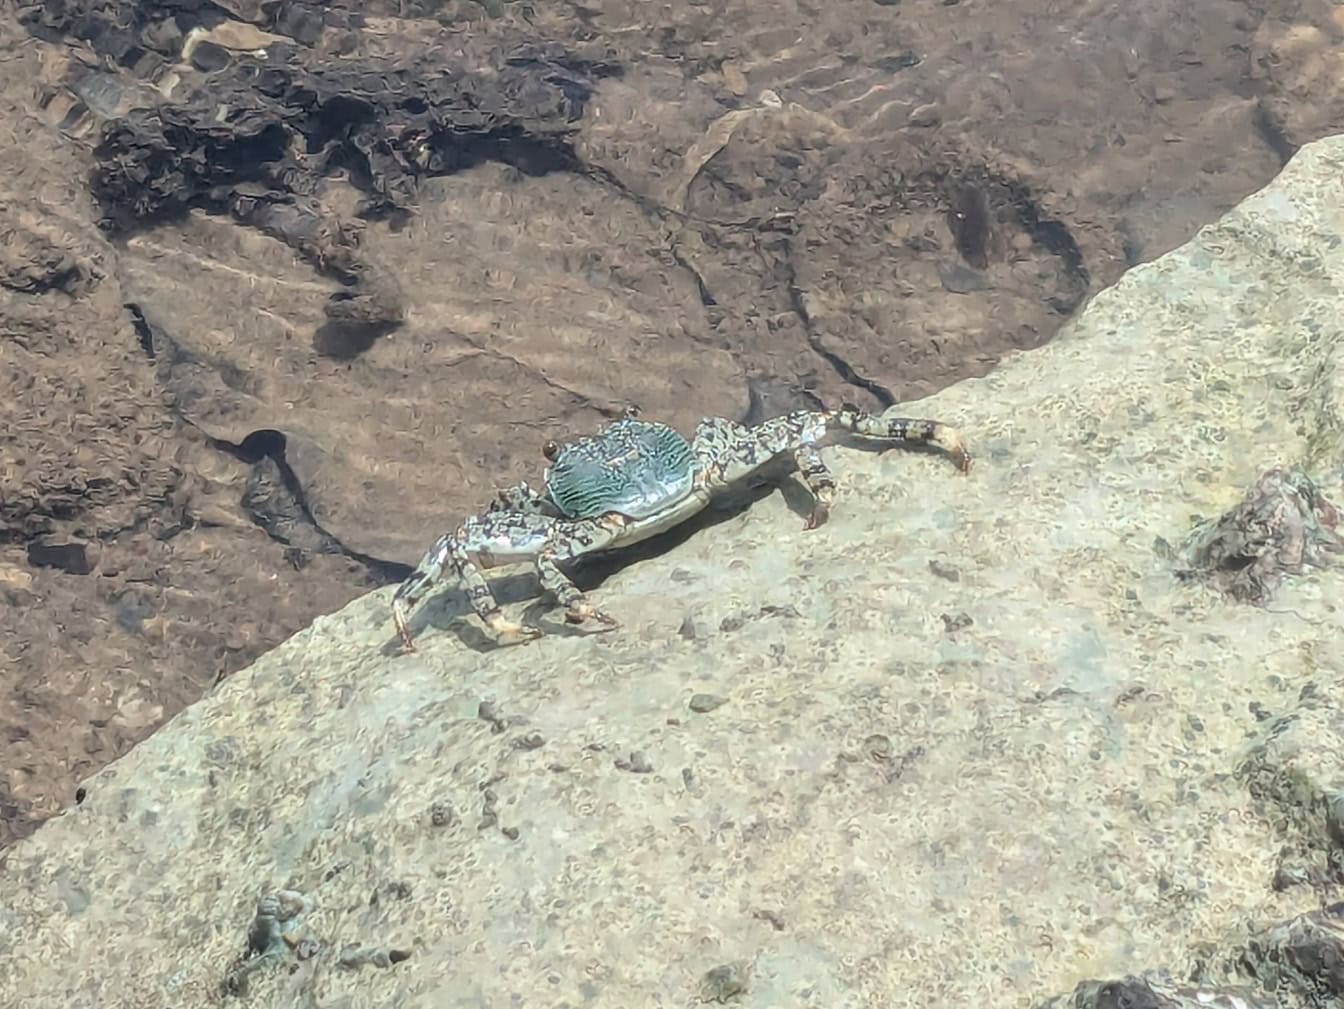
1272 134
842 367
143 332
971 209
706 296
1052 235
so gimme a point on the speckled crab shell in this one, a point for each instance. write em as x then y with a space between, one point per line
633 467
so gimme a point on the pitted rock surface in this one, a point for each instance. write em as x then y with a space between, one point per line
976 742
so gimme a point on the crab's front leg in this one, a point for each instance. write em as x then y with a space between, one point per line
577 607
480 538
475 547
416 586
570 540
819 481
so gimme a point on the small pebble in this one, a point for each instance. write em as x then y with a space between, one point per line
701 703
637 763
723 983
926 115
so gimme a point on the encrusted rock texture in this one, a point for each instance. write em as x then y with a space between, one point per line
424 235
985 740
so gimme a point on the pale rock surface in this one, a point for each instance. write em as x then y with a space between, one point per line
976 742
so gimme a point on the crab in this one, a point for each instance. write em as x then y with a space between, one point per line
630 481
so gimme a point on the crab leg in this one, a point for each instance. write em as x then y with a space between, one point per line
929 432
481 542
478 592
502 536
426 574
567 594
728 452
819 481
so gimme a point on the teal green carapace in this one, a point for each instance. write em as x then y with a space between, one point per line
634 468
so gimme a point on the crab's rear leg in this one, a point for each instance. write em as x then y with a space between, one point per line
729 453
906 429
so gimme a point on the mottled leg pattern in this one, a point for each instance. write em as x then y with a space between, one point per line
728 452
522 498
577 607
413 589
912 429
452 553
483 601
819 481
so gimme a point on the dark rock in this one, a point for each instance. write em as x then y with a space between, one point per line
1156 991
1282 524
1303 956
72 557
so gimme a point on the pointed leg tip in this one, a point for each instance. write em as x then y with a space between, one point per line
585 612
507 632
600 625
404 637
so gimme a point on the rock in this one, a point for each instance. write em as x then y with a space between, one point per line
984 817
1156 993
962 279
1281 525
73 557
1297 51
1295 771
926 115
1303 957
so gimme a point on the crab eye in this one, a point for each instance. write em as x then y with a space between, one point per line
550 450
